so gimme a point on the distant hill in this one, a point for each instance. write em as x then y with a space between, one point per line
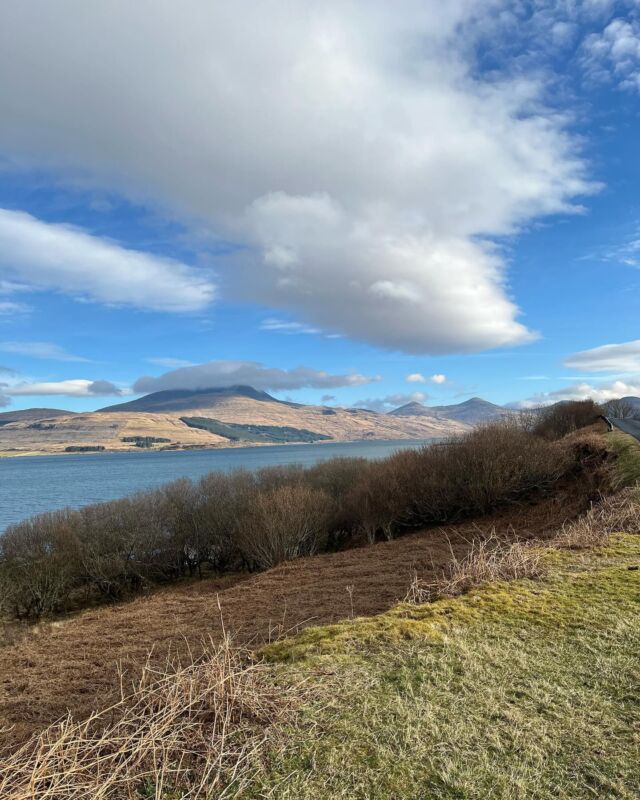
32 415
471 412
186 399
234 416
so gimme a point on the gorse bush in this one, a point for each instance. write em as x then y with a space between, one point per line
225 522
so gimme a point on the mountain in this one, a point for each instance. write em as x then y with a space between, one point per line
32 414
231 416
471 412
188 399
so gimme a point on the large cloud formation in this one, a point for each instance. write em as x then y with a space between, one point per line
217 374
353 148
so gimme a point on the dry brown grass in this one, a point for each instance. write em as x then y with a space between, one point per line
489 558
189 731
612 514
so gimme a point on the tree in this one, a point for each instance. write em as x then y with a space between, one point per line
621 409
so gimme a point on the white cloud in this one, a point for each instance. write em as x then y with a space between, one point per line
68 388
282 326
46 350
384 404
170 363
59 257
4 401
353 148
216 374
614 54
10 308
584 391
418 377
623 357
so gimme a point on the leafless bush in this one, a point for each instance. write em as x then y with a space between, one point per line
489 559
39 561
560 419
284 523
492 466
185 731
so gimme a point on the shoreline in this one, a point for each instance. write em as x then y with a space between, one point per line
7 454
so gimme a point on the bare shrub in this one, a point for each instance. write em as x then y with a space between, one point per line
39 561
284 523
185 731
563 418
492 466
489 559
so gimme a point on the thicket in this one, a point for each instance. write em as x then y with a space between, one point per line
561 419
243 520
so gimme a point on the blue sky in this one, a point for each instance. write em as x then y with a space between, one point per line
347 202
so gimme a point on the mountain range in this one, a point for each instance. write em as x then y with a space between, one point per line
471 412
230 416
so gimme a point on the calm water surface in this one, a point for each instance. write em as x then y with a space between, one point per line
33 484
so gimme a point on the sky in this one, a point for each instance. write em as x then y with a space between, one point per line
348 202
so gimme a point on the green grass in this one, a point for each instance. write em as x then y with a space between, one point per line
627 464
527 690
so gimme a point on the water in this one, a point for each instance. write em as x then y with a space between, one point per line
30 485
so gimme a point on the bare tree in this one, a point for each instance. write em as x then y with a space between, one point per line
622 409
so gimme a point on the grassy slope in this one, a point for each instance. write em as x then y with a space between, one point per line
528 690
519 690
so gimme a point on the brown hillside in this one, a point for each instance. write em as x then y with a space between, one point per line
108 428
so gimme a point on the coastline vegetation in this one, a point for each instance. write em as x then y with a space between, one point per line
69 559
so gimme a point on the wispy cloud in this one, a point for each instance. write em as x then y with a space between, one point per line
170 363
45 350
282 326
623 357
9 308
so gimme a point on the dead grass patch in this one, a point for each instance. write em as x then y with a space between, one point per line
613 514
488 559
188 730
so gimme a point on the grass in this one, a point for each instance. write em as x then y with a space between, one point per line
627 450
528 689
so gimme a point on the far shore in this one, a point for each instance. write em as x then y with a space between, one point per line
201 448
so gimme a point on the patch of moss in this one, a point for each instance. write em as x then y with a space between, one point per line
579 591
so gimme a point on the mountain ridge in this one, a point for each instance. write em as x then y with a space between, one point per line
473 411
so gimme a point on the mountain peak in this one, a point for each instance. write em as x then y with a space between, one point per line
185 399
